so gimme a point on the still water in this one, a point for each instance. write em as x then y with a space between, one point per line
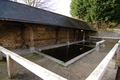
67 53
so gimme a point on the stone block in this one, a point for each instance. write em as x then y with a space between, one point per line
97 47
32 49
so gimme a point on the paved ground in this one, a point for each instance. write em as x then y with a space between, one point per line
79 70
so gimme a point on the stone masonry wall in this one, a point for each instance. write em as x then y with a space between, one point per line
8 36
109 33
11 35
7 39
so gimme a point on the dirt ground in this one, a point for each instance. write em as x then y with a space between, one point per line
79 70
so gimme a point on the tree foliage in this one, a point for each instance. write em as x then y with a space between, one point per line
95 11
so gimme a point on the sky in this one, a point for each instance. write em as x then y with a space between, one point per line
63 7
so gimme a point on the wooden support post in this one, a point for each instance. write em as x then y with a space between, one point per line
1 58
67 35
78 34
89 38
83 35
23 38
74 35
57 35
32 49
31 37
12 67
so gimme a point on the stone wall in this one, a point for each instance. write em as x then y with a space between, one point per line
8 36
109 33
7 39
44 33
11 35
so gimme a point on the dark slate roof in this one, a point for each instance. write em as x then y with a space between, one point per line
13 11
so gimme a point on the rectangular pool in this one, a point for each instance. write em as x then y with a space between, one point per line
67 54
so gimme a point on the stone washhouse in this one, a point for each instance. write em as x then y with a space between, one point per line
23 26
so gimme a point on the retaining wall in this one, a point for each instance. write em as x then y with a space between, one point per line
109 33
11 35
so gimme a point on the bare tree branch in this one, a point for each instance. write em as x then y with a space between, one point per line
43 4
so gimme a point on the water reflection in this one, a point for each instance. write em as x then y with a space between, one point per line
67 53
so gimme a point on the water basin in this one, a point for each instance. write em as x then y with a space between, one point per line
66 55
